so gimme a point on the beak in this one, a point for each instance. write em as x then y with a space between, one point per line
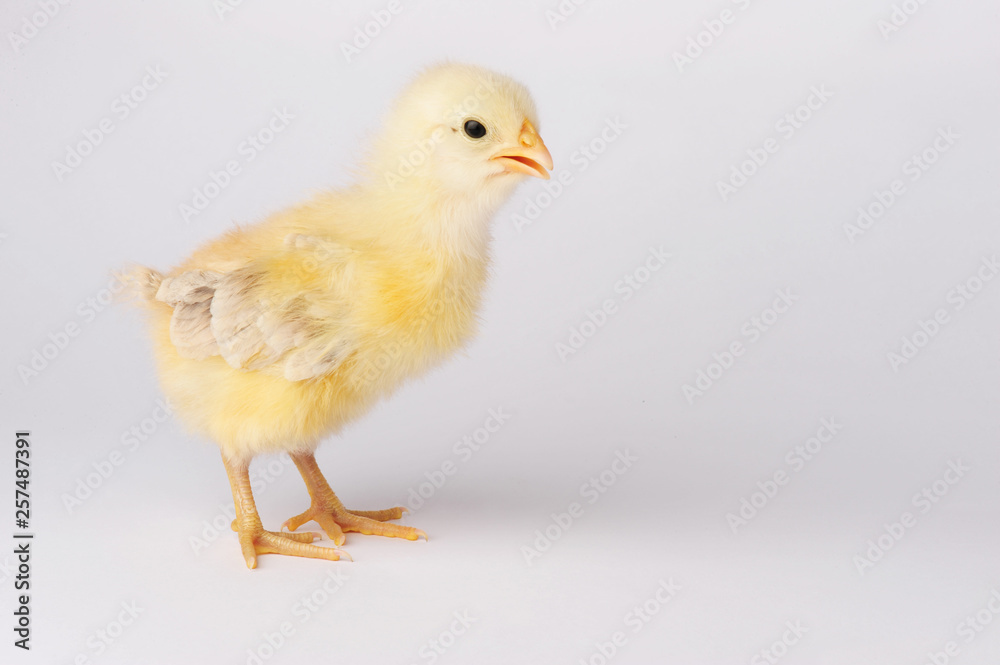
531 157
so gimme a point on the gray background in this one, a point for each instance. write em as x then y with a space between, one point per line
665 518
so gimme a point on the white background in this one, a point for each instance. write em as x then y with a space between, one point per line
134 538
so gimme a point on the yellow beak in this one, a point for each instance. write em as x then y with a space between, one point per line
531 157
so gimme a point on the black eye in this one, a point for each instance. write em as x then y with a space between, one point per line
475 129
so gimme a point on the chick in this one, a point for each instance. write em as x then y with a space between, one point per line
274 336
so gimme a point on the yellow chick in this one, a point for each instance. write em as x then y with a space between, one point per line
276 335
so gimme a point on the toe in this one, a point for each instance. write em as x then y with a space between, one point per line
293 523
304 537
373 527
332 529
249 551
276 544
381 515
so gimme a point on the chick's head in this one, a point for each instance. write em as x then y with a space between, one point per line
465 130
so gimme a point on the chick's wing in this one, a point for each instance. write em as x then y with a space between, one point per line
288 309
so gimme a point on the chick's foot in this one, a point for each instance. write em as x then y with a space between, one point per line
254 539
327 510
336 520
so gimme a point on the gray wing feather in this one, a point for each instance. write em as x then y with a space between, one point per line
224 314
190 294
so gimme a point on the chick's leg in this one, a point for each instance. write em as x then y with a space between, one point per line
335 519
254 539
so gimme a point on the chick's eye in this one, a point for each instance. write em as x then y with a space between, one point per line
475 129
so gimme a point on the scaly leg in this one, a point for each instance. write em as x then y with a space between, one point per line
335 519
254 539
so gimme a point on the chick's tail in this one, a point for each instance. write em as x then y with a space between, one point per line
139 283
